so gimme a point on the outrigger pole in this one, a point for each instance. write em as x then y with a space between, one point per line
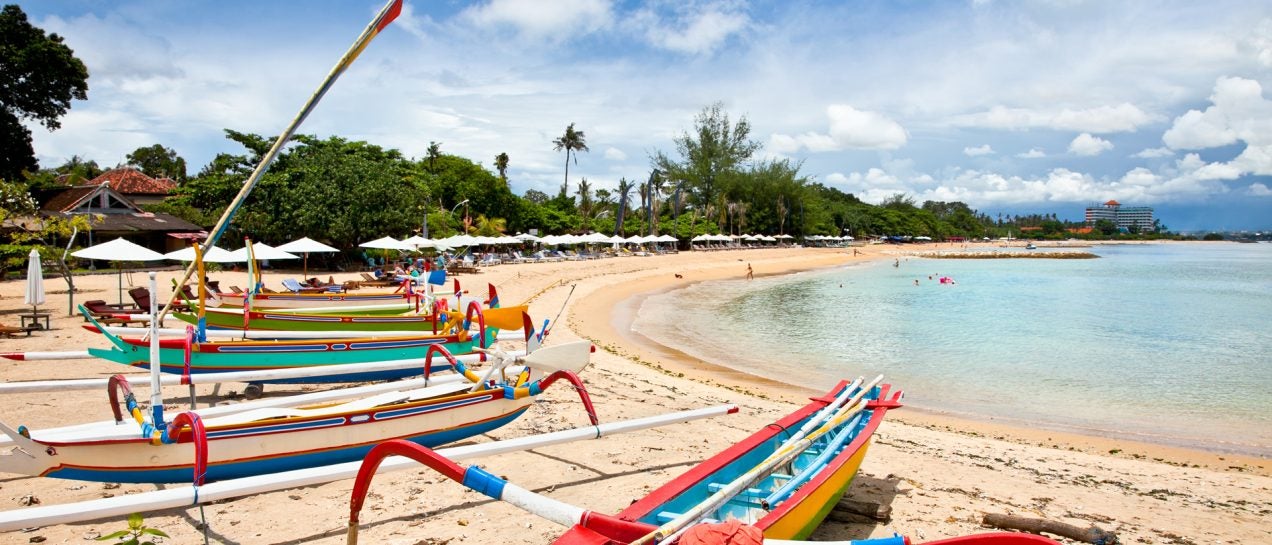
387 14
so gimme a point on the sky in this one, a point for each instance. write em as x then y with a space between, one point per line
1011 107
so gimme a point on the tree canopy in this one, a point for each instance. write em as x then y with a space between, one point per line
39 76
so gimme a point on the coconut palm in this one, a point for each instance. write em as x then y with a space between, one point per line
501 164
624 199
571 141
434 152
585 199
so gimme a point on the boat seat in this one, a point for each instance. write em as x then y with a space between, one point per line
715 487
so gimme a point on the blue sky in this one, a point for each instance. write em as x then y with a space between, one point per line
1011 107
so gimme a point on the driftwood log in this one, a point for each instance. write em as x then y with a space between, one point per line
1037 526
854 511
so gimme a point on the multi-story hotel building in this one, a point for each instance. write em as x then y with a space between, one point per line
1124 217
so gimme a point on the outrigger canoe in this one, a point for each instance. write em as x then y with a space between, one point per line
300 320
269 440
188 356
783 479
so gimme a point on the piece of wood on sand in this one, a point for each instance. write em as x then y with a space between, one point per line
1037 526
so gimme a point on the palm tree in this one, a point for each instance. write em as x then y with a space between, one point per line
585 199
434 152
490 227
624 198
571 141
501 163
655 187
644 197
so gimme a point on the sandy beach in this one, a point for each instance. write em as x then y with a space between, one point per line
939 474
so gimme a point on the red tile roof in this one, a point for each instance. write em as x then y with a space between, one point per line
130 181
1112 203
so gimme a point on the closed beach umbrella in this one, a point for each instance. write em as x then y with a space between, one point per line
119 251
306 245
35 281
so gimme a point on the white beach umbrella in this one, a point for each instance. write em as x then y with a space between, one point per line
210 255
387 243
666 238
305 246
35 281
526 237
119 251
262 251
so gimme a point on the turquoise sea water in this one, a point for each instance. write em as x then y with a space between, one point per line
1166 343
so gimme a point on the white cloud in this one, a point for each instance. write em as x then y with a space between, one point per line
1034 153
850 128
693 29
1153 153
615 154
1259 190
857 129
1124 117
561 20
1088 146
982 149
1238 113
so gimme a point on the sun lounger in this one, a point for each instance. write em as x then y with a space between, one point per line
295 287
10 331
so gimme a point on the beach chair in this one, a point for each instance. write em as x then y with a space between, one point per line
295 287
11 331
489 259
107 314
368 280
518 258
141 296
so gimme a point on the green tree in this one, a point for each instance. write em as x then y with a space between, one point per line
1106 227
571 142
711 155
39 76
159 162
535 196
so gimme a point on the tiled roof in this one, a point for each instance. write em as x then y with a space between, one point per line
67 199
1112 203
130 181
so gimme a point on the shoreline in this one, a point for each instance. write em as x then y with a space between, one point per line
616 336
938 475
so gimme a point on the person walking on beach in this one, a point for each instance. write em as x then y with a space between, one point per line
750 275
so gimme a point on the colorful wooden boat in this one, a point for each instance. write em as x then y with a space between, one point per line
300 320
270 440
783 479
187 356
401 300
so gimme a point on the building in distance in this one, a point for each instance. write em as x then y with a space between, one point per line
1126 218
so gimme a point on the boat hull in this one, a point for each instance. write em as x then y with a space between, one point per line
221 357
311 300
795 516
244 450
281 321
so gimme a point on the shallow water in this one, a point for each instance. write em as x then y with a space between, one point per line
1164 343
